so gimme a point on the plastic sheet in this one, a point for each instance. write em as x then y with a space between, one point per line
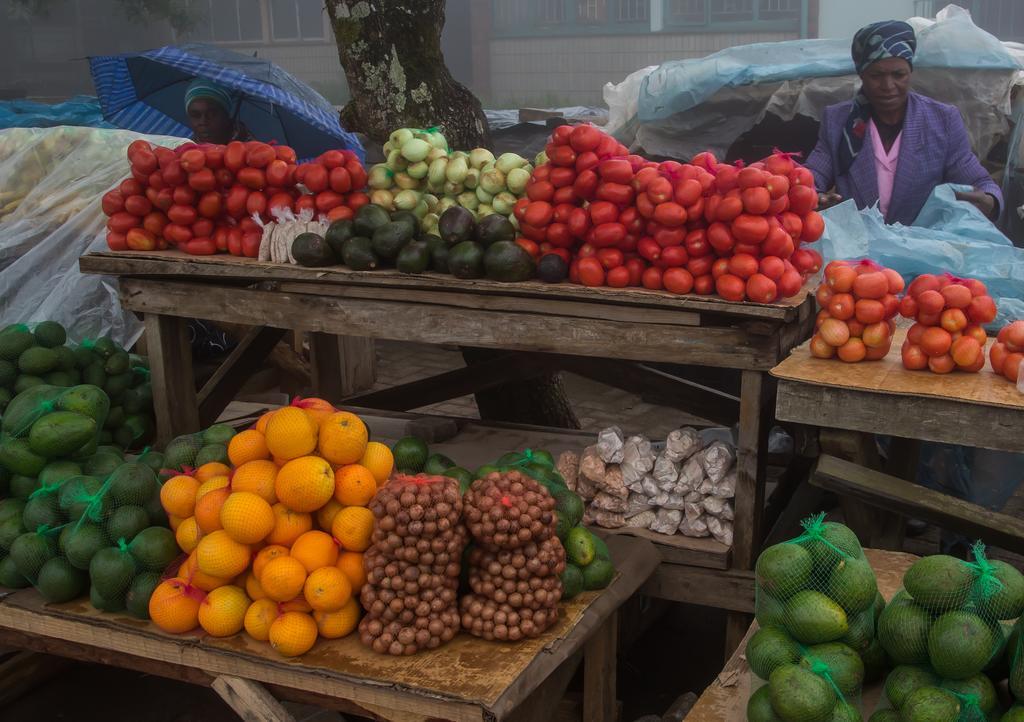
81 110
51 184
948 235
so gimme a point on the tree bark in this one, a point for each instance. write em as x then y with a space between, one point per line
391 53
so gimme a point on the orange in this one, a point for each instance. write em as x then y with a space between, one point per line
335 625
283 578
178 496
327 589
190 572
379 460
290 433
261 422
174 606
248 445
305 484
352 528
292 634
253 588
208 510
352 564
222 613
174 521
299 604
258 477
354 485
258 618
315 549
221 556
316 409
210 470
288 525
265 555
217 482
325 515
246 518
188 534
343 438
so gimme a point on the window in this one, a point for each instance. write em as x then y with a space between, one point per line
726 11
632 11
297 19
778 9
511 13
591 11
688 12
227 21
551 12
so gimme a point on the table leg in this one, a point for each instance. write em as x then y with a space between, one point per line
599 667
250 700
341 365
174 386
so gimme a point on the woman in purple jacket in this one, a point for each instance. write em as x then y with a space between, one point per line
893 147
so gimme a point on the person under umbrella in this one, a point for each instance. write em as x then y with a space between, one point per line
891 146
212 115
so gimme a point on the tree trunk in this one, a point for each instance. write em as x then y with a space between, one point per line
391 53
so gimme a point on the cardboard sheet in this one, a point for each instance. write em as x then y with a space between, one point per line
888 376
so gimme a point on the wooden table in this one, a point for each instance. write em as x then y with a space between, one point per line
607 334
467 679
725 699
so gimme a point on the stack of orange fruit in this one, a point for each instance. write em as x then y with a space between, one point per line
275 542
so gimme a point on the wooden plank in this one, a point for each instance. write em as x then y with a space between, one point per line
731 589
250 700
751 455
599 668
172 264
229 378
947 421
175 403
678 549
21 672
341 365
437 324
896 495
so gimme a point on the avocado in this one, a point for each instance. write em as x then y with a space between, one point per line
845 666
552 268
572 582
783 569
770 648
845 712
978 687
112 571
568 505
939 582
1007 601
759 706
494 228
799 694
437 464
389 239
80 542
337 233
903 630
508 261
837 542
931 704
769 611
1014 714
154 548
413 258
466 259
885 715
876 661
30 551
813 618
40 511
410 454
456 225
117 363
463 476
368 219
50 334
60 582
14 340
861 631
61 433
358 254
9 576
852 584
409 218
960 644
310 249
904 680
579 547
18 458
8 373
36 361
598 574
601 550
438 252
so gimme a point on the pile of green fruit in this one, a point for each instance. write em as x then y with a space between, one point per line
588 562
916 692
817 606
188 452
421 175
40 356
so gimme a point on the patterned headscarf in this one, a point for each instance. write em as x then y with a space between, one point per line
203 88
888 39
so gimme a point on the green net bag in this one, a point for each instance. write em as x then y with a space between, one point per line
48 422
950 614
917 692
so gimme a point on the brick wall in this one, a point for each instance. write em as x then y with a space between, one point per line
573 70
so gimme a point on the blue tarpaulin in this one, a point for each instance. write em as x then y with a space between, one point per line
83 110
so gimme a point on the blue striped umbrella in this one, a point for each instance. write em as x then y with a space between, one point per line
145 92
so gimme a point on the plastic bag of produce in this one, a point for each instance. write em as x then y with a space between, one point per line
666 471
819 588
720 529
643 520
609 445
681 444
694 527
950 614
667 521
717 459
692 473
637 459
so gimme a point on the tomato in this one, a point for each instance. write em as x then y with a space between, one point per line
533 232
585 185
539 214
982 310
648 249
610 257
200 246
331 159
562 212
632 220
214 156
251 244
806 261
210 205
247 224
586 160
202 180
540 191
731 288
562 155
279 200
131 187
155 223
743 265
585 138
316 178
234 156
670 214
617 193
117 241
559 235
182 215
564 194
234 201
220 238
591 272
696 243
603 212
562 177
813 228
338 213
113 202
695 211
643 178
531 247
561 134
202 227
729 208
636 268
327 200
652 279
869 311
659 190
761 289
645 206
700 266
608 234
139 239
803 199
778 244
720 238
674 256
687 192
756 201
666 237
193 160
579 222
355 201
224 177
615 170
750 229
773 268
278 173
677 280
259 155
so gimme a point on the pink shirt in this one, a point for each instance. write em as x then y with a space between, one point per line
885 166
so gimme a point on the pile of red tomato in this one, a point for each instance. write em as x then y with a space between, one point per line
1007 354
858 306
201 199
702 227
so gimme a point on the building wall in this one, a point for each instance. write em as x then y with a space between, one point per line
842 18
573 70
